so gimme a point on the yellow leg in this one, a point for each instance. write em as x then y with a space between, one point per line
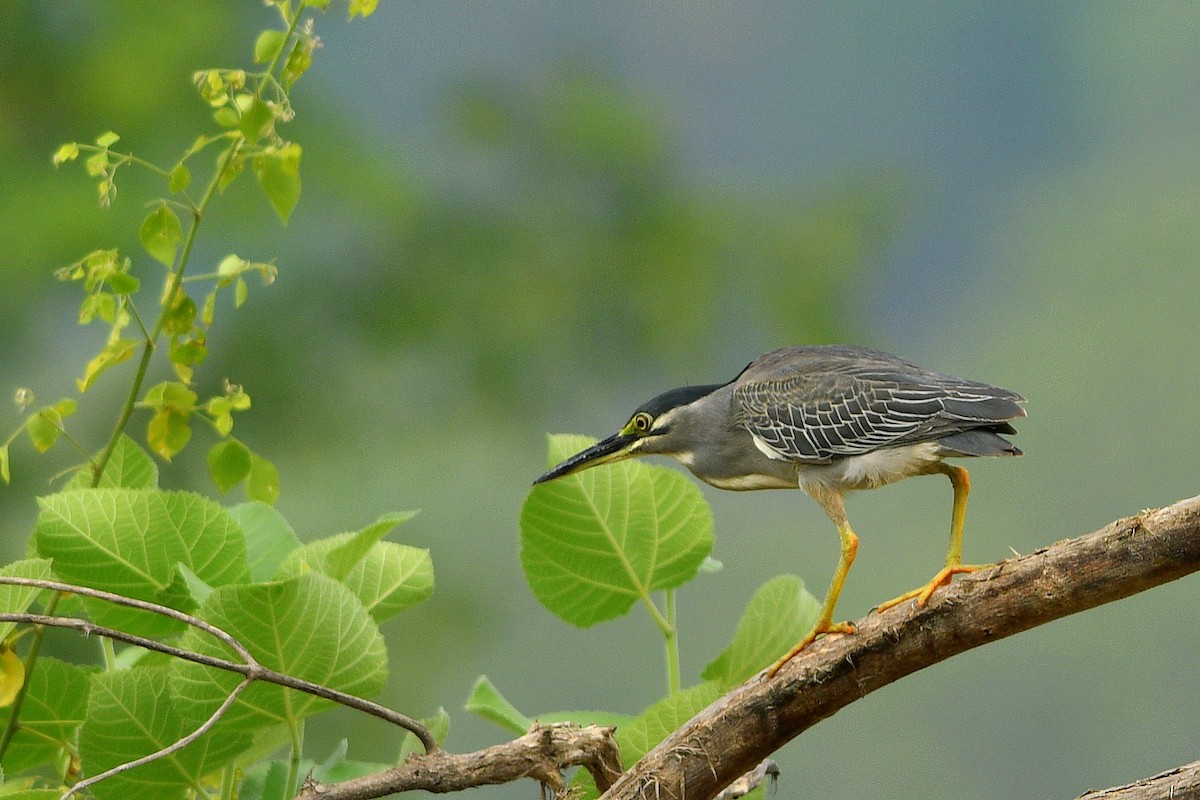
834 507
960 479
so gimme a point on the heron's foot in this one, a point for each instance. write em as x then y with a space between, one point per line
923 593
822 627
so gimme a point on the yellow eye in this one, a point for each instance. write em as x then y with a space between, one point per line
641 422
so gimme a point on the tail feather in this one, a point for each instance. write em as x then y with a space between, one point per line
980 442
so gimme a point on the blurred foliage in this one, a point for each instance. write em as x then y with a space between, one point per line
570 226
560 220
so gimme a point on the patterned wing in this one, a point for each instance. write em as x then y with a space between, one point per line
816 404
818 418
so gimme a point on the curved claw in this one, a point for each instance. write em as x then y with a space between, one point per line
822 627
923 593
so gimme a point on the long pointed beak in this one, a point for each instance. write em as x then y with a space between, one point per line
615 448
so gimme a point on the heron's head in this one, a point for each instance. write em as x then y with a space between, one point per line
658 426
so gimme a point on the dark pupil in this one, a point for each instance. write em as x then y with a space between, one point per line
641 423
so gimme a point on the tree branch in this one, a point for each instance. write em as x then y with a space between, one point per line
1180 783
737 732
541 754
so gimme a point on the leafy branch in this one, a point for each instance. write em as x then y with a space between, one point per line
248 108
248 666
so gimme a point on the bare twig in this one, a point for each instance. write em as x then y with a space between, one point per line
730 737
541 754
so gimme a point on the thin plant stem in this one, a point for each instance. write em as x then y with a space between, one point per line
293 777
173 283
671 637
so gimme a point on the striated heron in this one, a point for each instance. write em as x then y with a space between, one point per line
828 420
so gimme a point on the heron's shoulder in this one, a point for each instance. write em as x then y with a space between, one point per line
824 362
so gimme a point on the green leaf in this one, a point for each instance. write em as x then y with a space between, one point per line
663 718
347 554
102 304
114 353
181 315
96 165
122 283
188 352
197 588
256 120
228 463
392 578
269 538
4 473
54 708
168 432
107 139
17 599
130 713
268 45
129 541
161 234
169 429
387 577
362 8
66 152
298 62
594 543
44 428
278 171
226 117
311 627
486 701
778 616
263 483
209 310
179 178
235 165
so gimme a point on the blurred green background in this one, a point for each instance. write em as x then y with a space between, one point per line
522 218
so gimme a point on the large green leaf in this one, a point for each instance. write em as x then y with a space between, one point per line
311 627
387 577
130 541
55 703
130 713
779 614
595 542
17 599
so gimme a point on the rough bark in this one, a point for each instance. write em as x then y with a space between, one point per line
541 754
